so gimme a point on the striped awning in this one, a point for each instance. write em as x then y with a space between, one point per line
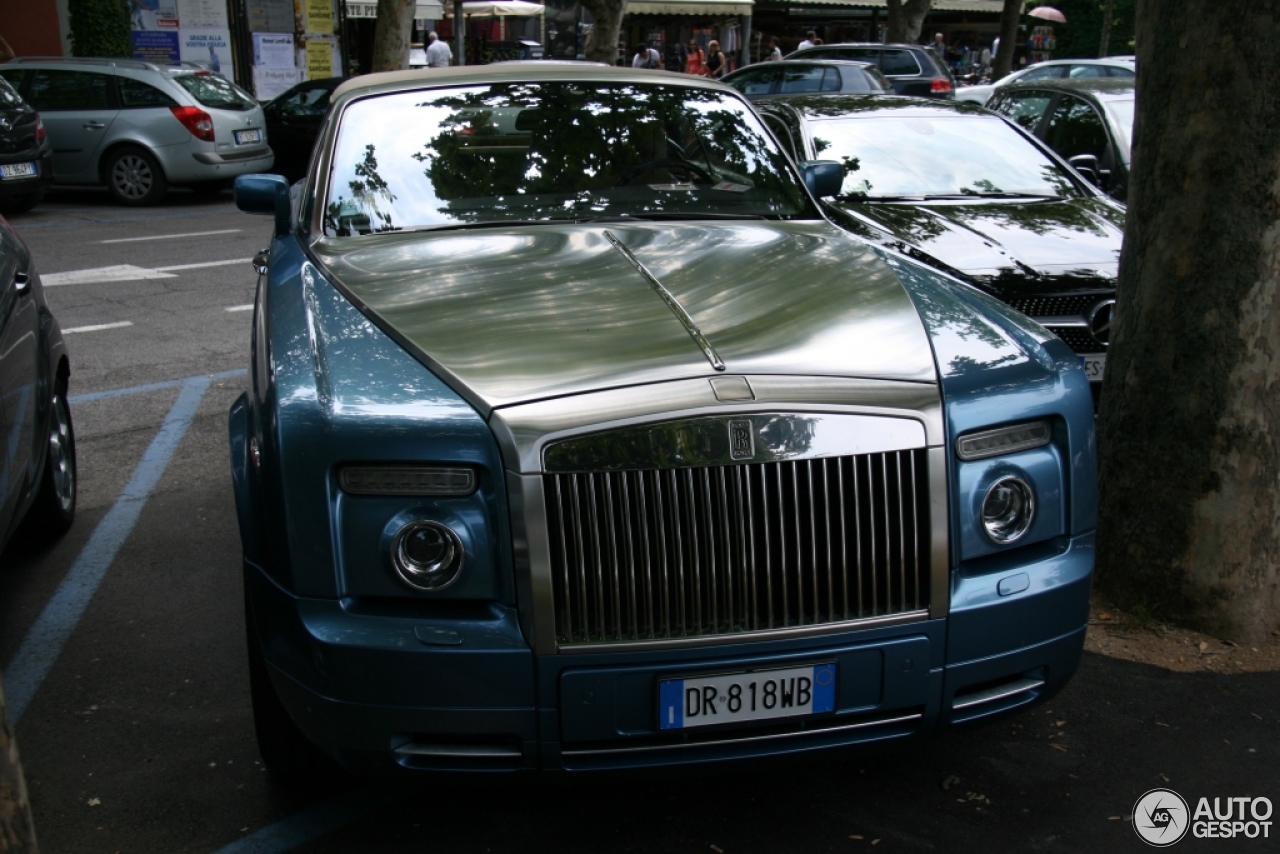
701 8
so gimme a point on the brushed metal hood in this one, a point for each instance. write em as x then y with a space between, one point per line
515 314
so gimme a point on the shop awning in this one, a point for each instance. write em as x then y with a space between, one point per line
426 10
500 9
701 8
994 7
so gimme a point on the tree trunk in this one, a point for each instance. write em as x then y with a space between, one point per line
391 35
1003 61
905 20
1108 12
602 42
17 831
1190 418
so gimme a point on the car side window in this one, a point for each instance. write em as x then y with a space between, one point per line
135 94
1046 72
806 80
1088 71
1025 108
899 62
1116 71
754 82
783 134
306 103
1076 128
70 90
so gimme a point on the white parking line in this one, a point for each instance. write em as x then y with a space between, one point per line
128 273
207 264
248 307
172 236
118 273
101 326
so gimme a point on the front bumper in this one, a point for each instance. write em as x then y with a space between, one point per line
386 694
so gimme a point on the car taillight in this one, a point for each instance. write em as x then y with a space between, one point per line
195 120
940 84
40 132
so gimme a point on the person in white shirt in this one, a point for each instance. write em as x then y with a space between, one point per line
646 57
775 51
808 40
438 53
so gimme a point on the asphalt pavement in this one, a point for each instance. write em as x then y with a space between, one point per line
138 736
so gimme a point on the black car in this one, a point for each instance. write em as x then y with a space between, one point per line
38 454
967 192
797 76
1088 121
912 69
26 155
293 121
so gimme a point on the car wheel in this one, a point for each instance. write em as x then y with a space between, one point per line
22 203
134 177
55 506
288 754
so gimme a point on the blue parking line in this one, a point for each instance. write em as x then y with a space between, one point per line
46 638
139 389
289 833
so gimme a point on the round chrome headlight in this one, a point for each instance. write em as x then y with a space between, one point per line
1008 509
427 555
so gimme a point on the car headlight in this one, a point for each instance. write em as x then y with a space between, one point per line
427 555
1008 509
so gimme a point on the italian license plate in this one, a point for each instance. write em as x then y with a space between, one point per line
244 136
746 696
1093 367
17 170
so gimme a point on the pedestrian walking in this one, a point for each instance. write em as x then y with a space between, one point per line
439 54
695 62
775 50
646 57
717 62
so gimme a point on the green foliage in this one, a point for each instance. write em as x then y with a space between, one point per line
1081 35
99 28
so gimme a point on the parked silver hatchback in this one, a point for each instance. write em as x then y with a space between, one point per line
140 127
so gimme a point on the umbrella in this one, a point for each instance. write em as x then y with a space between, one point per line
1048 13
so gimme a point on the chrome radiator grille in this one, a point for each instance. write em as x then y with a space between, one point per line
720 550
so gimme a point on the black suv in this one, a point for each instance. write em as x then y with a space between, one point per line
913 69
26 155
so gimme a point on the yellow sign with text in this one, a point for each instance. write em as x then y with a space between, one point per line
319 16
319 59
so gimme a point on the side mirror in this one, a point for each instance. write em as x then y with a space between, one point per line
822 177
1087 165
265 194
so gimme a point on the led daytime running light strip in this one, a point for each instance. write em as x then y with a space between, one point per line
1004 440
406 480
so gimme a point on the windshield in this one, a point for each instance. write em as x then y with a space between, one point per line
1122 115
216 92
553 151
888 156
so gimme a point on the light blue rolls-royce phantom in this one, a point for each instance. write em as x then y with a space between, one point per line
578 439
